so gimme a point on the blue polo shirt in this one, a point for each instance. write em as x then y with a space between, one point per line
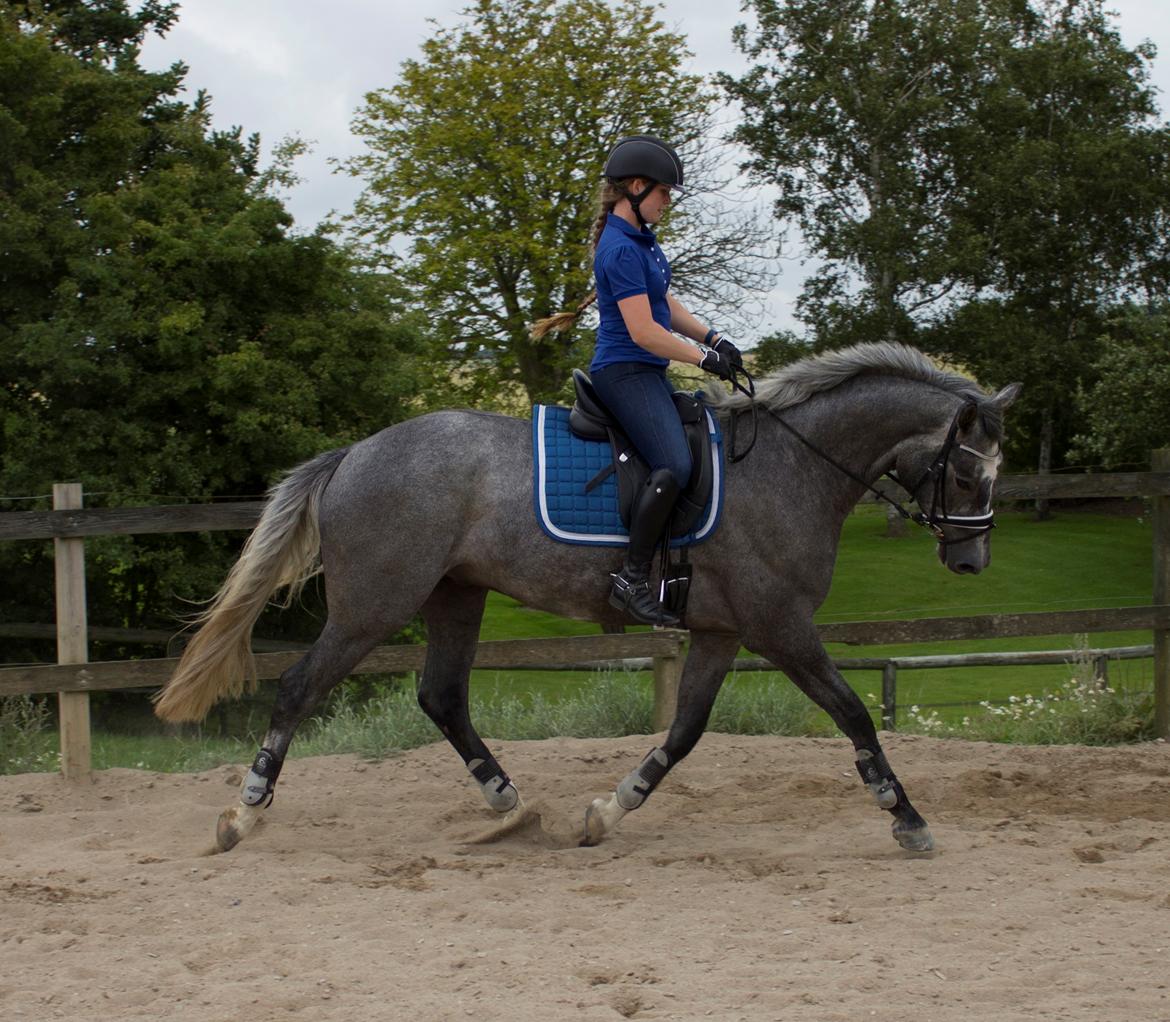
628 262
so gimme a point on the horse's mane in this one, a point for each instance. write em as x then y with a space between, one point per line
796 383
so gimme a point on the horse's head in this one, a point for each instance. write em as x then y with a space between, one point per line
951 475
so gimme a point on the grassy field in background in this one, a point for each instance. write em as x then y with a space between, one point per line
1076 560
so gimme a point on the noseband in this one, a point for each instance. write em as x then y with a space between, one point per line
938 516
933 519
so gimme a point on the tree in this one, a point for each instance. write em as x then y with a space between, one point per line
486 157
857 112
163 331
980 176
1073 198
778 350
1124 413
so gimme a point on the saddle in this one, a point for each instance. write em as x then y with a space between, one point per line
589 419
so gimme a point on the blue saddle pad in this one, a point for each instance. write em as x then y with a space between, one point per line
564 464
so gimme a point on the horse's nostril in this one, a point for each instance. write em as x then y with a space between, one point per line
966 568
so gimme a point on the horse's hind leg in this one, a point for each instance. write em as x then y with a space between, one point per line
302 688
708 661
453 614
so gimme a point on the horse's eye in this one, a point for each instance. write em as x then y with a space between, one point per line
964 482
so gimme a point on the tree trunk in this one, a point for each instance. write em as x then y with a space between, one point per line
896 526
539 370
1044 467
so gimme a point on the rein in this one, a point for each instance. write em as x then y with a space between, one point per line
934 519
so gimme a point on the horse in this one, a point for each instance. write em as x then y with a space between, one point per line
426 516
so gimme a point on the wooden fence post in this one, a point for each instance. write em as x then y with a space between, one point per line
890 697
1160 462
72 647
667 672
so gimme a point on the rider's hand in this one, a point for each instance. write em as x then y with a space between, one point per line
716 364
728 350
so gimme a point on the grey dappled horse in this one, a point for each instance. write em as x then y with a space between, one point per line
428 515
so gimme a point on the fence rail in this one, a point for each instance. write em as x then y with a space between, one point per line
76 523
73 678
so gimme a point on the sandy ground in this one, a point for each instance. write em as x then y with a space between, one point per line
758 883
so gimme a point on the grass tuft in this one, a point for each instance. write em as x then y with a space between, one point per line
1085 710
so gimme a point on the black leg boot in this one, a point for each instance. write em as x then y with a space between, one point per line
631 586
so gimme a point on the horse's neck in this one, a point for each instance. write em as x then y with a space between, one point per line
860 425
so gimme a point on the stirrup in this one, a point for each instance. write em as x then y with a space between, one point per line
635 598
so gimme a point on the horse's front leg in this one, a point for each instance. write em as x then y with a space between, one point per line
707 663
809 666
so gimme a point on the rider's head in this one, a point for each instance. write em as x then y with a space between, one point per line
643 170
639 176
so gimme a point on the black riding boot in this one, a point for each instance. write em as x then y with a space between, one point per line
648 517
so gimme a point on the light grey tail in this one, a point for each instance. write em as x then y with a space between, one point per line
282 551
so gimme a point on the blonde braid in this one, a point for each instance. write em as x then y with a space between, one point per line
607 197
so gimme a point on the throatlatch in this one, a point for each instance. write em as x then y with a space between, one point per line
878 776
637 785
261 780
497 786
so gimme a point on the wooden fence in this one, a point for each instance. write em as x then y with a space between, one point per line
73 677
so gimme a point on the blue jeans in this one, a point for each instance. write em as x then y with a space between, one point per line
639 397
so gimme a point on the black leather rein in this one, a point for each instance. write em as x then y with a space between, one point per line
934 519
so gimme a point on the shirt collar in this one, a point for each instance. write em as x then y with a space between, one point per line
613 220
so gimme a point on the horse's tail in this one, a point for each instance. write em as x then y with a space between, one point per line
282 551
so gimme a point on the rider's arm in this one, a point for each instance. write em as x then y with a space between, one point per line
683 322
655 339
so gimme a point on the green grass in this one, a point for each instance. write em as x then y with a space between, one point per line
1073 561
611 705
1076 560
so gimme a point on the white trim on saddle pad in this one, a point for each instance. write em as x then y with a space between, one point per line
617 538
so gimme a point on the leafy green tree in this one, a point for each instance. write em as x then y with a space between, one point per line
1124 413
486 156
858 113
982 176
778 350
1074 199
164 333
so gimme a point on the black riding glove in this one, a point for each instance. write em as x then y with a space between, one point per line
728 350
716 364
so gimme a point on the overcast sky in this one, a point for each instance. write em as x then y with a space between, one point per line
300 67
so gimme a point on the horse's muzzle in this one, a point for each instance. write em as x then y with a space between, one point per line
968 557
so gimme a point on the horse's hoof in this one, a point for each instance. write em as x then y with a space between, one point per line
914 839
594 825
233 826
226 834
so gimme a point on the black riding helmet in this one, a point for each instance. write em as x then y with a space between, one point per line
645 156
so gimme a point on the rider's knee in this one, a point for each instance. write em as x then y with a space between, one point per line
678 471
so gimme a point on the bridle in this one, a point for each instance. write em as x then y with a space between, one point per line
933 519
938 515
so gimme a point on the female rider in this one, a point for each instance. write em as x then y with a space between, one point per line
635 344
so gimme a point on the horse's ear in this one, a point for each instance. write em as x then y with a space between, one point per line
967 415
1006 396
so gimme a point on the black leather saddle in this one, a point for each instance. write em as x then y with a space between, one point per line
589 419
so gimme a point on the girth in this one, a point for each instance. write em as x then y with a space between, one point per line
589 419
